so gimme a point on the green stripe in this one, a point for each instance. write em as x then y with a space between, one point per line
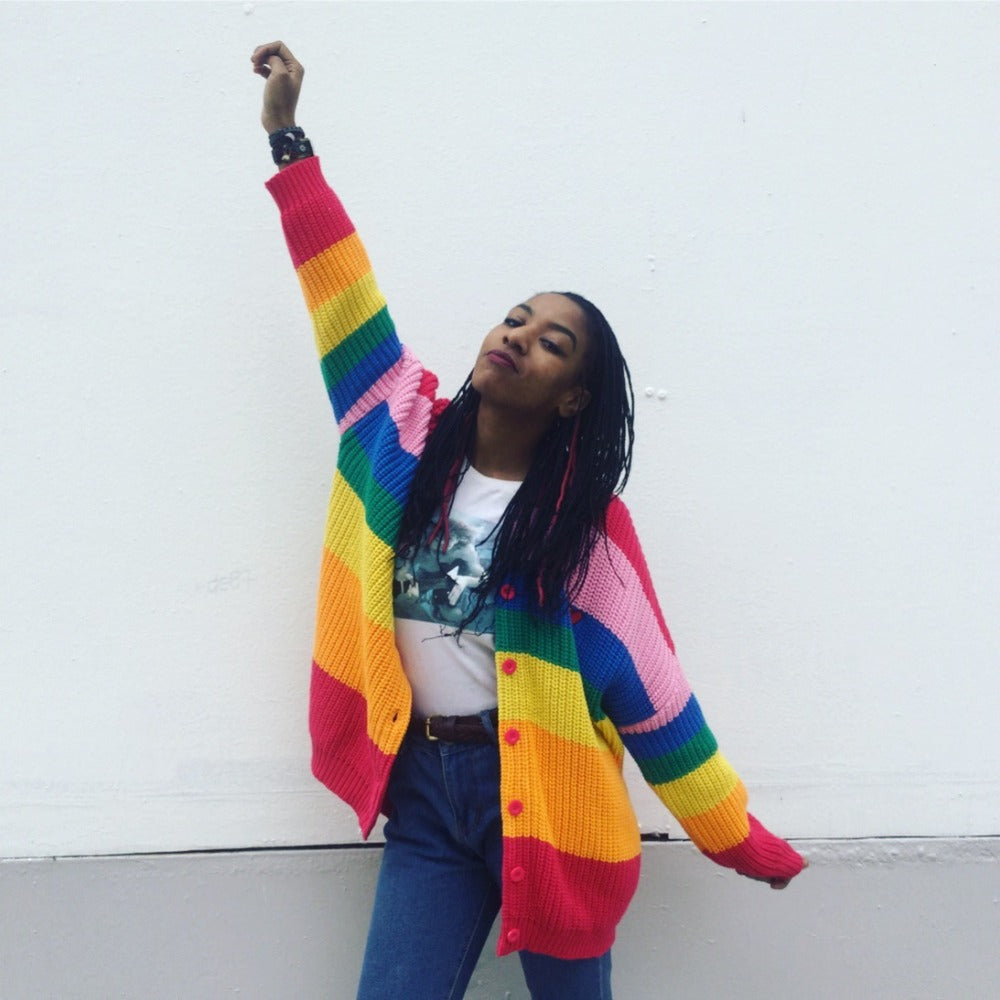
524 632
593 696
683 760
382 513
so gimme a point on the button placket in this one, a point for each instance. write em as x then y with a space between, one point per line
515 806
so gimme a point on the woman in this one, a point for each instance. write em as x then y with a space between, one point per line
488 641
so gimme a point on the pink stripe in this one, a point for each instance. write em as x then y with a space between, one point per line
637 629
622 532
404 387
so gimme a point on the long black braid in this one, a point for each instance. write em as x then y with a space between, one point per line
550 526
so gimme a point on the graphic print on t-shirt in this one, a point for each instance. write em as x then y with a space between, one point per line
438 585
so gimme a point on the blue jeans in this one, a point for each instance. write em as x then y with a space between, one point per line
438 888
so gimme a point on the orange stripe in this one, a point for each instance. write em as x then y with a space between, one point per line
336 268
723 826
556 779
340 623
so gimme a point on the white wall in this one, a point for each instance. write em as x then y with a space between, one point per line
789 214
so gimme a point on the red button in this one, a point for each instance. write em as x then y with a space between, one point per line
575 615
508 666
517 874
515 807
513 936
507 592
512 736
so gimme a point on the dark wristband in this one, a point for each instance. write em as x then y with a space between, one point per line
288 145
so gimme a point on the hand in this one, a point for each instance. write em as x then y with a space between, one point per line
283 73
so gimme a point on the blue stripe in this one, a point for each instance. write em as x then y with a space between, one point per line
392 467
669 737
605 663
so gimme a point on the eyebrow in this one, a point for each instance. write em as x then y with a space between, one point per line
557 327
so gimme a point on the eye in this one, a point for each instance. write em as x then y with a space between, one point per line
550 346
513 321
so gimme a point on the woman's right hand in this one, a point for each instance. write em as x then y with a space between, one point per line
283 75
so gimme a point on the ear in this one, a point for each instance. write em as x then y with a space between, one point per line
575 401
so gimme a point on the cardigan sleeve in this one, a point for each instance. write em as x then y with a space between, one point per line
360 354
648 700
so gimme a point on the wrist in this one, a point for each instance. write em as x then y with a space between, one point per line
272 125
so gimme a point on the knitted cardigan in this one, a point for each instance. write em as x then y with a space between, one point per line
571 690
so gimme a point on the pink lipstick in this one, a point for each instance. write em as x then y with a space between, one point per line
503 359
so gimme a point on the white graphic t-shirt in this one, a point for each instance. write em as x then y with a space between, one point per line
432 594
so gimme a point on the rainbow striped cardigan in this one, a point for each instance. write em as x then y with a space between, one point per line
572 691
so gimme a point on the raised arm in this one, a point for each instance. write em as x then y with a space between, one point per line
362 359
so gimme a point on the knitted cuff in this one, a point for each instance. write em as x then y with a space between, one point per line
762 855
300 182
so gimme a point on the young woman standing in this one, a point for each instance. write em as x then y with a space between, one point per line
488 640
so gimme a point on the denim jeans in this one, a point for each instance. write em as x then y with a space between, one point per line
438 887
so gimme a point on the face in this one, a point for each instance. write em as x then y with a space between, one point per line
533 362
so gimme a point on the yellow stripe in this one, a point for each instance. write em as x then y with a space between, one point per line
330 272
557 780
609 734
338 317
548 695
701 790
350 539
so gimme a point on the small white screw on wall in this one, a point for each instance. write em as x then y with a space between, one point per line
659 393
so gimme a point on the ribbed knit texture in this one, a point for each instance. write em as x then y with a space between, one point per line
571 691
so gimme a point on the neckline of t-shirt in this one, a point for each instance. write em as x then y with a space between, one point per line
511 484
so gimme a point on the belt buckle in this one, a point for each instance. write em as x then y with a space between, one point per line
427 730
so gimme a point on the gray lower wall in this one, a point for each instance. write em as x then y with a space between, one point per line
869 919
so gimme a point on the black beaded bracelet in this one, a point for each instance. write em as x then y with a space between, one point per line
282 134
289 144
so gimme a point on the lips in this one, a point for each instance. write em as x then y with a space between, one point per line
503 359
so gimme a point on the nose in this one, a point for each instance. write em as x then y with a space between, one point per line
514 337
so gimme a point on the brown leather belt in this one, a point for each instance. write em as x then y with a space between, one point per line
455 728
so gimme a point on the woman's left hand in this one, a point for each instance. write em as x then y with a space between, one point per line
778 883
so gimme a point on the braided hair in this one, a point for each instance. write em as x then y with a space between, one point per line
549 528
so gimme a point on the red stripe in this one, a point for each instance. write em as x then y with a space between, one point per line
344 757
308 232
560 904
